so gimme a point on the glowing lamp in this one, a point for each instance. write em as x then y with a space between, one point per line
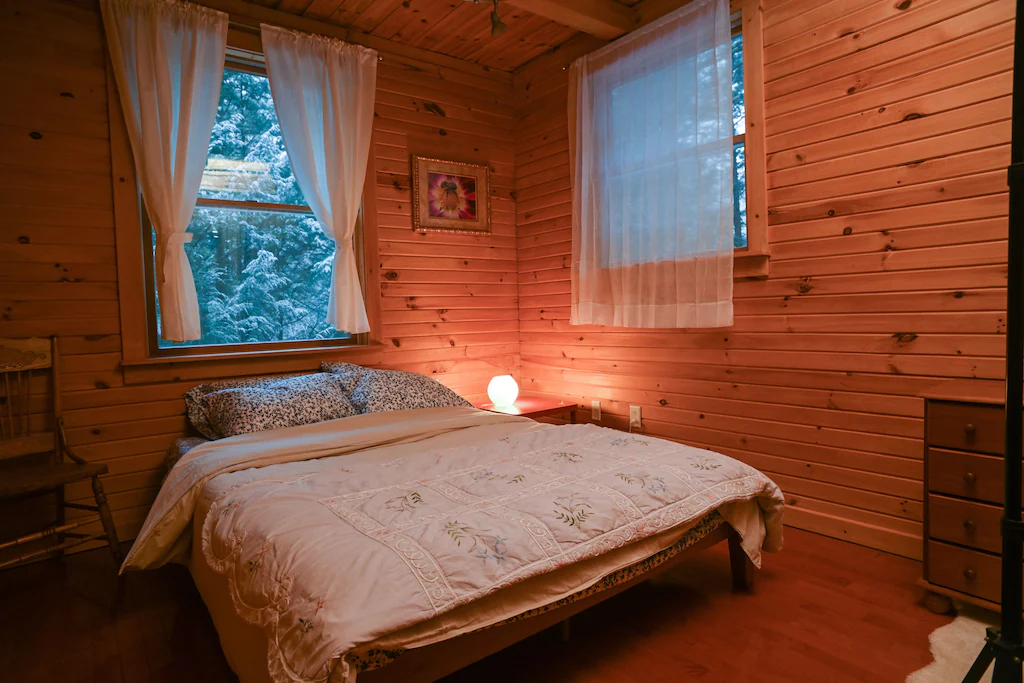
503 391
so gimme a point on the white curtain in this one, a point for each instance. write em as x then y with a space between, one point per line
324 92
650 130
168 60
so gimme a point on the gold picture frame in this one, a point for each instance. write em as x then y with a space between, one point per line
448 196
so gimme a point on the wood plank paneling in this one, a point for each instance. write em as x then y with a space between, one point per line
887 133
449 302
456 29
888 142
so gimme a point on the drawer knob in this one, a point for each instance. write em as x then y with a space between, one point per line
970 430
970 477
970 574
969 525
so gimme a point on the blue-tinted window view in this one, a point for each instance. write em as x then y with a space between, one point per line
646 155
261 275
739 127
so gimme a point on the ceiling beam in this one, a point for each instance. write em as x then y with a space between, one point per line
606 19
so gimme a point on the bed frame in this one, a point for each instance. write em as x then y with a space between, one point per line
429 663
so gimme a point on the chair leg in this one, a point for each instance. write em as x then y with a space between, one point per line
107 519
61 517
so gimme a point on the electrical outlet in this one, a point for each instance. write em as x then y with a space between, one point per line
635 421
595 411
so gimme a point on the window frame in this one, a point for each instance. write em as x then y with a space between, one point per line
752 260
142 358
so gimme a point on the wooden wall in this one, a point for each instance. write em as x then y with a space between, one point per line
449 302
888 138
888 132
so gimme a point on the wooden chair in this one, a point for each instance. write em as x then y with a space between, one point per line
33 462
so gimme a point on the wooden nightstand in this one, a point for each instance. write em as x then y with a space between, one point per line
535 406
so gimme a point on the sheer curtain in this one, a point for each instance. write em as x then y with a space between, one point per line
323 92
650 131
168 60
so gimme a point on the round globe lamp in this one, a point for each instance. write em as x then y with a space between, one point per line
503 391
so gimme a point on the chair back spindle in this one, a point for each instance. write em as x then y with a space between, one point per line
18 359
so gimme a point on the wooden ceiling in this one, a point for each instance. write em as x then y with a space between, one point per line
462 29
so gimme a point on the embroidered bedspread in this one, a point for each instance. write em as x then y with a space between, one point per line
428 512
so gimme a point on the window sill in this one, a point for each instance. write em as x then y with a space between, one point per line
242 363
750 266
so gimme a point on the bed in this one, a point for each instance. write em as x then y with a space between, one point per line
402 545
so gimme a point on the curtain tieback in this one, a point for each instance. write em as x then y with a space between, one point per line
176 238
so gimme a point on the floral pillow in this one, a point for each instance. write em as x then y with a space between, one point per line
349 374
383 390
196 409
222 409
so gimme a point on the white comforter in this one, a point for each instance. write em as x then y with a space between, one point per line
426 511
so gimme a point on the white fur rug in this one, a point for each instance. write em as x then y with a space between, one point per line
955 646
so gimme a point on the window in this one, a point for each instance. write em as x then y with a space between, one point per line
261 263
646 163
260 260
660 149
750 197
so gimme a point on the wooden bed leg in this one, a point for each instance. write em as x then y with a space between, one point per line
564 631
741 566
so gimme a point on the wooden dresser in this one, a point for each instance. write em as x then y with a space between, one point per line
963 478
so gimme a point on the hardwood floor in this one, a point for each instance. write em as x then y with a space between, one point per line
822 610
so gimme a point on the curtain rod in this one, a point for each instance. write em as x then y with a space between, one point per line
252 27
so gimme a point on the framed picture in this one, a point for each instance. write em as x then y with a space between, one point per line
450 197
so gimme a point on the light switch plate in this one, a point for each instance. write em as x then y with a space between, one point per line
595 411
635 420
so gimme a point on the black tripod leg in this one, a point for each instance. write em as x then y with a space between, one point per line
981 664
1007 669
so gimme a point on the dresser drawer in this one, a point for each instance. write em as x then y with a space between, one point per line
967 475
968 426
964 522
967 571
